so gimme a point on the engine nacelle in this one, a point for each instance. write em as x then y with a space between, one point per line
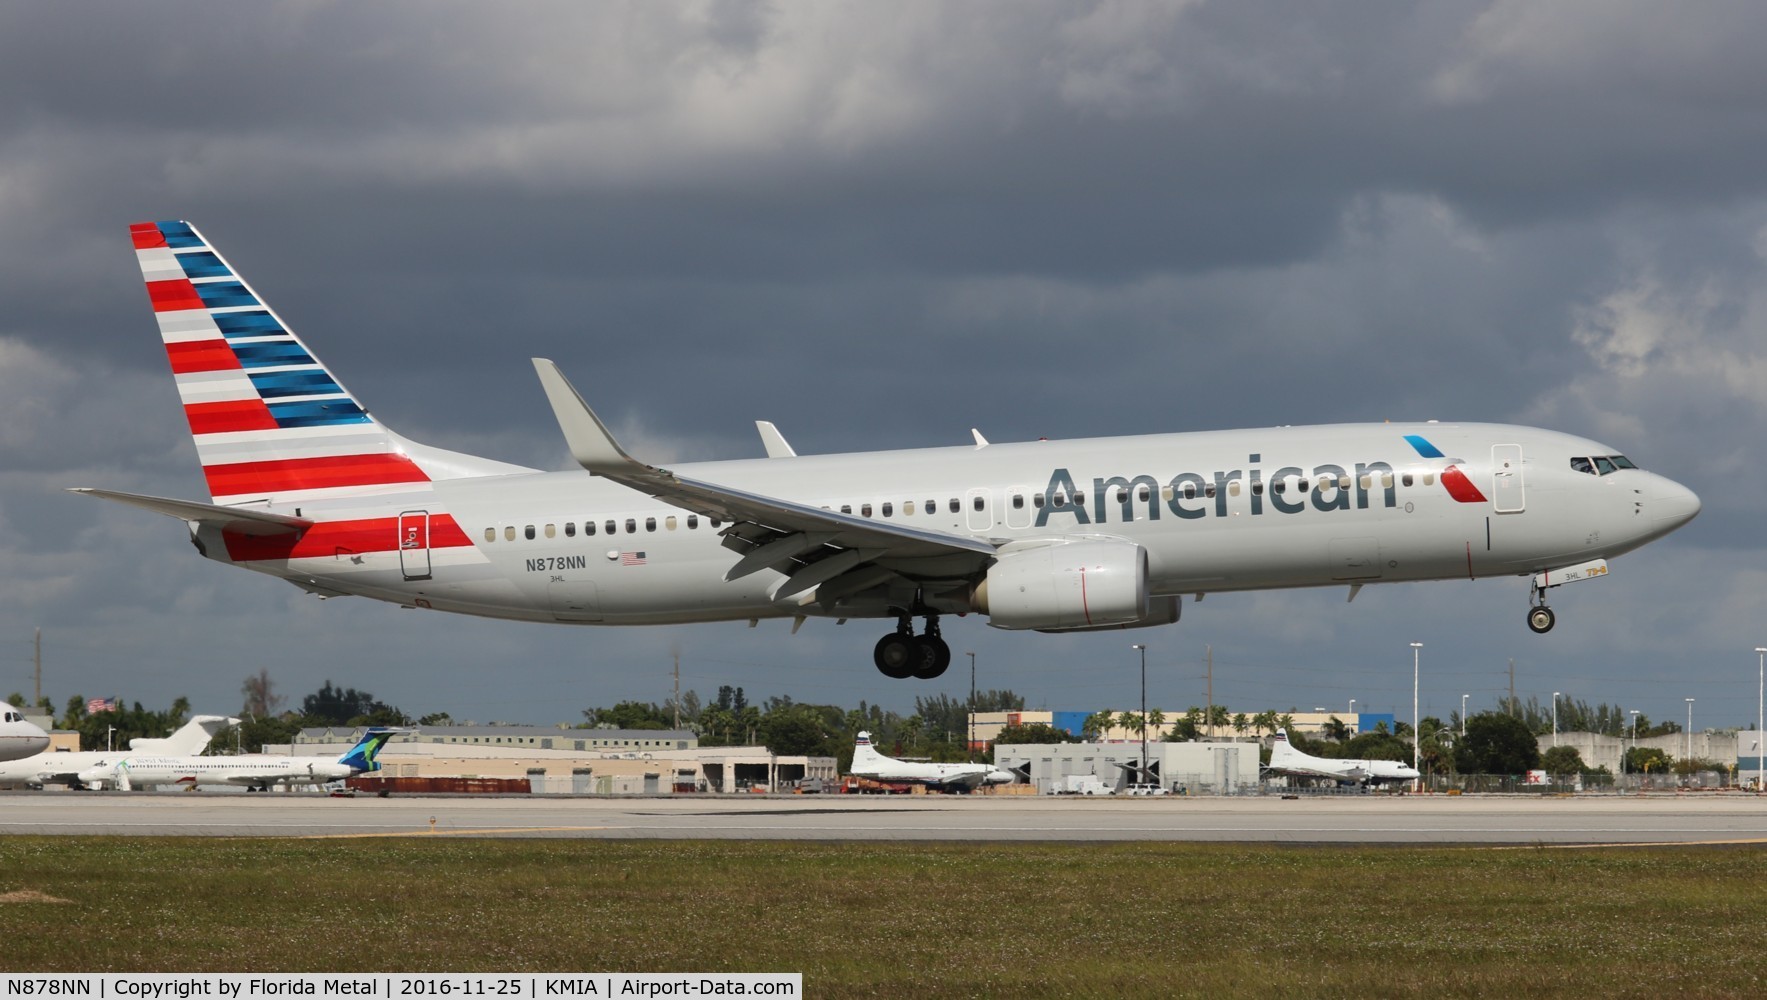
1067 585
1162 609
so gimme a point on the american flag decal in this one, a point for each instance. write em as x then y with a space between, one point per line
631 559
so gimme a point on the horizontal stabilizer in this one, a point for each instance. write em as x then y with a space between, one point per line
245 522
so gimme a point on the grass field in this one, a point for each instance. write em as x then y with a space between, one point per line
867 919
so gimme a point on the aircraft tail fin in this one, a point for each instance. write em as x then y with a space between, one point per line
361 757
864 754
269 419
1281 750
189 740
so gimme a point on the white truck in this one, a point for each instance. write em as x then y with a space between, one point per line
1080 784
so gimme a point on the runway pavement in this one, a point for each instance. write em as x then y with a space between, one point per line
1365 819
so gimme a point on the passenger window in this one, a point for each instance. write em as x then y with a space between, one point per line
1141 494
1208 490
713 522
552 531
490 534
864 510
1301 484
692 521
846 508
1059 500
1018 502
957 508
509 533
888 509
1343 482
977 503
1367 482
1280 486
1258 488
650 524
1405 480
1190 491
932 507
631 525
528 532
1429 479
612 527
1123 496
588 528
570 529
1079 499
1386 481
669 522
1233 487
907 508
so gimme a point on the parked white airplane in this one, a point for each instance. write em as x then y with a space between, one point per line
1285 759
19 737
868 763
64 768
257 772
1054 536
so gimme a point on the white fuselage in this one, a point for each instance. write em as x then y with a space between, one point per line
254 771
1286 759
20 738
1215 511
868 763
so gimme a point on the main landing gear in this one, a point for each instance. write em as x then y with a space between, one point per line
902 654
1540 617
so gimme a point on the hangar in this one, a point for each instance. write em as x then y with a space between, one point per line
1185 768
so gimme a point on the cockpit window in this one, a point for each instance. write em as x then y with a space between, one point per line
1601 465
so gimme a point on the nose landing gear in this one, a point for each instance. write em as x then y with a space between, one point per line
902 654
1540 617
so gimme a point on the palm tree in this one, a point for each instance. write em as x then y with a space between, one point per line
1156 720
1240 725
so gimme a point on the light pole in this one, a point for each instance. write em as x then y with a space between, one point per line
1760 718
1555 718
972 708
1463 716
1634 738
107 731
1141 646
1689 729
1414 740
1352 714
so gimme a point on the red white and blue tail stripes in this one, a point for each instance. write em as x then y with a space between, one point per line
270 422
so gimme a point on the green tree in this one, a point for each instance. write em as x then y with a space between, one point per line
626 715
253 734
1241 723
1562 762
1496 743
1645 760
1156 722
1097 724
1336 730
337 706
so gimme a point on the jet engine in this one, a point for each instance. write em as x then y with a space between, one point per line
1066 586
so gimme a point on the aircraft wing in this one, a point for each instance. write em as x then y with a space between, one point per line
236 519
795 529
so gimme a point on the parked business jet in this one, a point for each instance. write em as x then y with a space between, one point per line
1285 759
257 772
868 763
64 768
20 737
1053 536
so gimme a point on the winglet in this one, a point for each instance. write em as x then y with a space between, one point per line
592 445
981 442
774 441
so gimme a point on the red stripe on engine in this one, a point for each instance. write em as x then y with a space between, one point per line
173 294
1460 487
232 415
340 539
202 356
257 478
146 235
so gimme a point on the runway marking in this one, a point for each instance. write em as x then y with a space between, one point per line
452 833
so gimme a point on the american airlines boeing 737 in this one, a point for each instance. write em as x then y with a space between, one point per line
1054 536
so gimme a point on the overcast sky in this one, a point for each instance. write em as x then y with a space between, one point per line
880 225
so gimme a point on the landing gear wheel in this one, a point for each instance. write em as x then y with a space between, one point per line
896 655
1541 619
933 656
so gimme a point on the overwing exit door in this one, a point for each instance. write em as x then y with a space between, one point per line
414 544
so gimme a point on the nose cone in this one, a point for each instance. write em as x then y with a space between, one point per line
1672 505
